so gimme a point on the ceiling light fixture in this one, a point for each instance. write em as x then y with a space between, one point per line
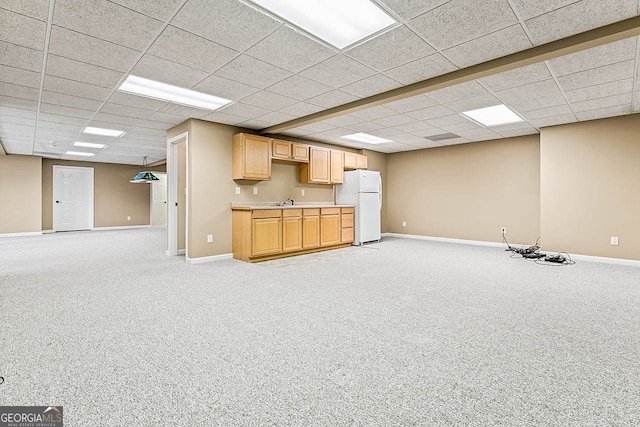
79 153
365 137
157 90
88 144
337 22
103 132
144 177
493 116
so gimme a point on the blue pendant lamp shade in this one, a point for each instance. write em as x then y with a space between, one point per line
144 177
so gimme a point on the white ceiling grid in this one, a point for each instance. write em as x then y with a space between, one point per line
274 73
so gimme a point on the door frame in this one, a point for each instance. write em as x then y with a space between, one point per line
53 193
151 199
172 194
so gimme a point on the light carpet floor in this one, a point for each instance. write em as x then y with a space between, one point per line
399 333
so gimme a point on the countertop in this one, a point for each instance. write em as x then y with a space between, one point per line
273 205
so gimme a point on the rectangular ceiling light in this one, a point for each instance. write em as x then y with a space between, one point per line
79 153
364 137
88 144
493 116
103 132
166 92
338 22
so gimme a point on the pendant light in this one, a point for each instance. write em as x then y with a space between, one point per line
144 177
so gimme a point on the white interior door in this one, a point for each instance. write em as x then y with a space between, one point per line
72 198
159 200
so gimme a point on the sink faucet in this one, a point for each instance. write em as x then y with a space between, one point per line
289 201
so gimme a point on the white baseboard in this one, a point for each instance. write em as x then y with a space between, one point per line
48 231
618 261
120 227
180 252
33 233
205 259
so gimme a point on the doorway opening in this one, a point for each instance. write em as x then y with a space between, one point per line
72 198
177 195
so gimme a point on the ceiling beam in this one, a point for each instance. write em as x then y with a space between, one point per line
589 39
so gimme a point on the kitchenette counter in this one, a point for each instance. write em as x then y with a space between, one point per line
274 205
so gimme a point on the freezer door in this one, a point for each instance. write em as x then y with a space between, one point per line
368 217
369 181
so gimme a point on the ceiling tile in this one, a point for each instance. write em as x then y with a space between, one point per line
183 110
518 77
107 21
341 121
412 127
229 22
391 49
395 120
301 109
473 103
365 127
268 100
519 132
558 110
338 71
165 71
408 9
81 47
22 30
183 47
276 117
450 120
412 103
60 127
332 99
458 21
71 87
530 8
82 72
155 125
253 72
159 9
55 118
315 127
478 134
244 110
25 104
17 112
70 101
430 112
458 92
532 96
123 110
455 141
255 124
422 69
299 87
121 122
456 127
65 111
38 9
20 57
599 91
290 49
553 120
19 77
135 101
513 126
596 76
607 54
373 113
26 121
373 85
225 88
599 103
16 91
578 17
494 45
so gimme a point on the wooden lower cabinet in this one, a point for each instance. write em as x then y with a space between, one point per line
311 231
346 225
329 226
291 230
266 236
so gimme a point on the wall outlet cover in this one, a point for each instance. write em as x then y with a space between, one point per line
209 238
614 241
237 190
404 223
302 192
255 191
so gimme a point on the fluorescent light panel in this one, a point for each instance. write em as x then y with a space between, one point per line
103 132
365 137
88 144
493 116
157 90
79 153
338 22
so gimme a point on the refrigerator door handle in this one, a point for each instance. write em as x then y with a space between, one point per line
380 191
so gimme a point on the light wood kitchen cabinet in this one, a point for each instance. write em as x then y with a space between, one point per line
251 157
311 228
290 151
266 236
300 152
281 150
291 230
350 160
329 226
318 170
361 162
337 167
346 225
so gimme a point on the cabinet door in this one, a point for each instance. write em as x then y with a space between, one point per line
266 236
310 232
251 157
329 230
281 150
337 166
300 152
319 172
350 161
361 161
291 234
347 235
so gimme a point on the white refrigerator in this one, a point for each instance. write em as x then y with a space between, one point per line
363 189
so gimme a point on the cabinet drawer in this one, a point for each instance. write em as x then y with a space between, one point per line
330 211
291 212
347 210
346 235
311 212
267 213
347 220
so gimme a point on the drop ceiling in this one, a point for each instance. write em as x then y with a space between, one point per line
61 62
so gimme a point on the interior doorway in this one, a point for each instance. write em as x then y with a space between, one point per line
177 195
159 200
72 198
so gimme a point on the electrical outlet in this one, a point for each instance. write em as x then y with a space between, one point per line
404 223
503 230
128 218
302 192
237 190
255 191
614 241
209 238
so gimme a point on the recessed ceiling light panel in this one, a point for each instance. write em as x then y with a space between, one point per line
338 22
103 132
493 116
365 137
88 144
79 153
166 92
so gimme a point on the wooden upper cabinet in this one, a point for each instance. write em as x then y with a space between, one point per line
281 149
337 167
251 157
317 171
290 151
350 161
361 162
299 152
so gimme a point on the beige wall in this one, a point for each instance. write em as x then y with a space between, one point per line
115 197
590 187
20 194
467 191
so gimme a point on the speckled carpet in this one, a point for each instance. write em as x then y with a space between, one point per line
400 333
